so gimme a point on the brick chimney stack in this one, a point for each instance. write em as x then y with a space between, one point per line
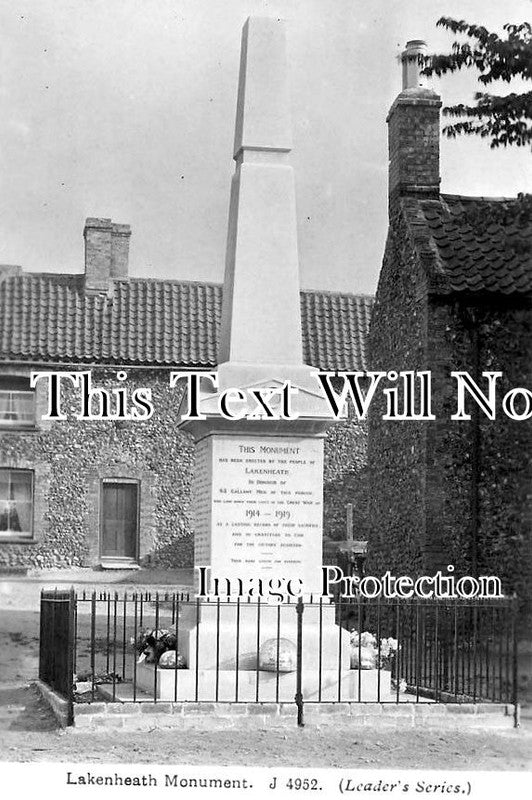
106 253
120 235
414 131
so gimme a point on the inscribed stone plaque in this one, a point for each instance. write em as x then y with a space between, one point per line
258 507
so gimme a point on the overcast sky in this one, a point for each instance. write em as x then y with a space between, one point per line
125 109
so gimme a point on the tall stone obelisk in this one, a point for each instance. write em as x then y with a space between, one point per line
257 495
261 319
258 483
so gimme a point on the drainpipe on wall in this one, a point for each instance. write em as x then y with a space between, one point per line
475 456
471 324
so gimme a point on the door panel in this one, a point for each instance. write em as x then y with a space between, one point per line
119 520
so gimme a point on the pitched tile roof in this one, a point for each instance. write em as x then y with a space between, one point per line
474 244
50 318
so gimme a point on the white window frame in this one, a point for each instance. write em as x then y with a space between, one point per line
18 421
10 535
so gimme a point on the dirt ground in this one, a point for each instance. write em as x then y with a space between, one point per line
28 731
32 737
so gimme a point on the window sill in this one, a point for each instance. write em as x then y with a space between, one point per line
17 540
17 428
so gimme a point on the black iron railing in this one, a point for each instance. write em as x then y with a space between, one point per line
450 651
112 648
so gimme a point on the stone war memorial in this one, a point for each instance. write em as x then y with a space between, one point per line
257 490
258 483
261 639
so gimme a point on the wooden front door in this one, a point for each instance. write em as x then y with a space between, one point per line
119 523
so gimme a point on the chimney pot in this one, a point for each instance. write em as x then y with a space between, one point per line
412 77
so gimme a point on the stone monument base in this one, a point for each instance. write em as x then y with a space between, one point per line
220 636
223 646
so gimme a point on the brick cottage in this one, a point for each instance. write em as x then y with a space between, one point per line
117 492
454 294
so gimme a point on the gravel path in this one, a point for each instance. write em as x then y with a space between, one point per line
28 733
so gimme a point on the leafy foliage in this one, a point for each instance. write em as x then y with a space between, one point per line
505 119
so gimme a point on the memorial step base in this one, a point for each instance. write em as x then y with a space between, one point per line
215 635
264 687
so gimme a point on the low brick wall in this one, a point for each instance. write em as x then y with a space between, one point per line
146 715
58 704
217 716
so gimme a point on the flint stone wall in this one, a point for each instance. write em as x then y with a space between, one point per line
422 490
70 458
